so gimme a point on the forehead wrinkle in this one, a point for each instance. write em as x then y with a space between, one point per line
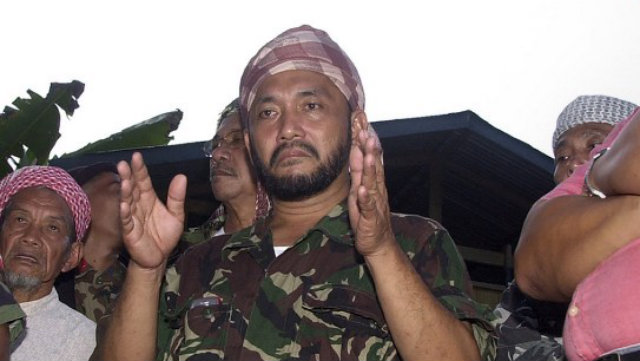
310 92
264 99
591 132
317 92
55 217
302 93
584 133
64 218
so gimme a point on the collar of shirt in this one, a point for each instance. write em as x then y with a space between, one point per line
335 225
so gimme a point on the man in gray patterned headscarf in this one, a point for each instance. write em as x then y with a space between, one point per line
583 123
531 328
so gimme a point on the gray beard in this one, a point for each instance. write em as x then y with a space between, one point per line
16 281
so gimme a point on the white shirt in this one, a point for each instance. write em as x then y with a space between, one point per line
55 332
279 250
219 232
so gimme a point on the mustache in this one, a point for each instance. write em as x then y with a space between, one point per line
222 168
215 167
25 252
293 144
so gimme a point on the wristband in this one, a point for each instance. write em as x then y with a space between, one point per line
590 188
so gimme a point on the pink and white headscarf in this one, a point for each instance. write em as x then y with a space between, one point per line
56 179
301 48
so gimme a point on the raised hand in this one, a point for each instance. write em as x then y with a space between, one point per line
368 201
150 229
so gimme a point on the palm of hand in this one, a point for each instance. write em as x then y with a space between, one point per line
368 205
154 236
150 229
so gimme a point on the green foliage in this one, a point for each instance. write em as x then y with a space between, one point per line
30 129
151 132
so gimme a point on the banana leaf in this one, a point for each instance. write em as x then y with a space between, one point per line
30 129
148 133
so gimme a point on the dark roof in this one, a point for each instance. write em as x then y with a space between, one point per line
164 163
488 178
457 168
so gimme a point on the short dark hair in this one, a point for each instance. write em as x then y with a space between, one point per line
83 174
231 108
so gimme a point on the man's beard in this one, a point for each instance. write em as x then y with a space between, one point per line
302 186
17 281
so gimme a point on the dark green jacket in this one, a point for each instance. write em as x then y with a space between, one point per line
230 298
11 314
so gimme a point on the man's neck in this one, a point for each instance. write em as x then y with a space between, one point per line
239 213
292 219
101 250
22 296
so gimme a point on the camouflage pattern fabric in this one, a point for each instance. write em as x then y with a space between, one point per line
527 329
11 313
196 235
96 291
231 299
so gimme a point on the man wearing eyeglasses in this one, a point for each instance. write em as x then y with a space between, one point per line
233 181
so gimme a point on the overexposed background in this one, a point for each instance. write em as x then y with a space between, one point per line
514 63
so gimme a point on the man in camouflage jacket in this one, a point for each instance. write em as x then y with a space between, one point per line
314 300
355 282
96 291
528 329
95 284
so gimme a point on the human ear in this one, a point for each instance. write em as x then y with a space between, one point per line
74 257
358 122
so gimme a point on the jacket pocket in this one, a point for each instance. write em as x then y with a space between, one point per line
341 322
205 328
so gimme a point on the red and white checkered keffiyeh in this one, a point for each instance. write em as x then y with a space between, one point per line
302 48
55 179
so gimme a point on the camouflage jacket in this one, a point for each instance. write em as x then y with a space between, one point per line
95 291
11 313
197 235
208 229
527 329
230 298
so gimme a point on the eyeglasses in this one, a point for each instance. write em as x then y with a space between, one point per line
232 140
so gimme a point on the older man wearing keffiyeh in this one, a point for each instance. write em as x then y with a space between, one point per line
331 273
44 214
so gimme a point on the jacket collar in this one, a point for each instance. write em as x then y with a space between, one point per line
335 225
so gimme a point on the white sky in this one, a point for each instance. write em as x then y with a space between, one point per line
514 63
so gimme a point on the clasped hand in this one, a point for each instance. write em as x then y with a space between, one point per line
368 200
